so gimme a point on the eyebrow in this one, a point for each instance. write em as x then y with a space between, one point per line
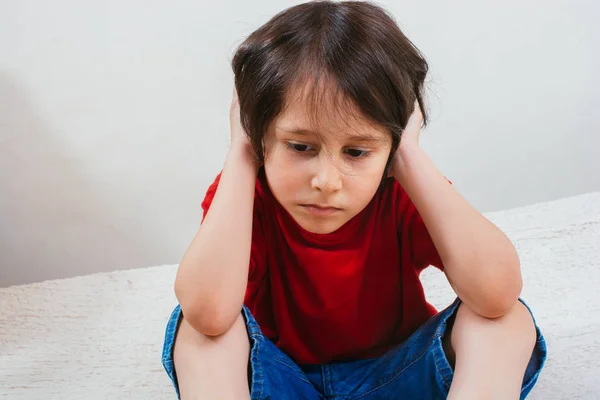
356 138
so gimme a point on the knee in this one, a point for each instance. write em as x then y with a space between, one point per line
520 321
516 328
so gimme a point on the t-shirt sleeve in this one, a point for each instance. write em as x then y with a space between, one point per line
423 252
210 195
256 269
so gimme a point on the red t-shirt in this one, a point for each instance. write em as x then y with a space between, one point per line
346 295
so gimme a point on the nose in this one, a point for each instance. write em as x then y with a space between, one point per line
327 177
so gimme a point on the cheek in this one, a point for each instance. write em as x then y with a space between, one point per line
283 174
363 189
365 184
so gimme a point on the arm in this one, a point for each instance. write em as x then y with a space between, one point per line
211 279
480 262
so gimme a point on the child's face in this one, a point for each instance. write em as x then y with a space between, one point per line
324 179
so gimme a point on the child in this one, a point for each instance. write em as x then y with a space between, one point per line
302 281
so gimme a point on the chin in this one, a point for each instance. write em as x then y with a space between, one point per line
322 227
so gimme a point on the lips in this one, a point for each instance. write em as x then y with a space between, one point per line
320 209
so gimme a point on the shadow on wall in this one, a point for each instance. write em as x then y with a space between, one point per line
55 221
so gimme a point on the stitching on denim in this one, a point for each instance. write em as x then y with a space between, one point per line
168 333
529 384
331 388
437 366
259 368
260 371
400 370
323 380
302 378
325 374
167 353
394 375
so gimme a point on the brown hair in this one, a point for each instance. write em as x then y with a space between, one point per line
356 47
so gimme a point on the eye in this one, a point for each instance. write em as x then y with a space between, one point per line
299 148
357 153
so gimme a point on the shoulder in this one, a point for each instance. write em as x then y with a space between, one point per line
392 195
261 191
210 192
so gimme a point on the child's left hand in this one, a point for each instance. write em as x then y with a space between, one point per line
410 137
412 130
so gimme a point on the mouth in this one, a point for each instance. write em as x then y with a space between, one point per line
319 209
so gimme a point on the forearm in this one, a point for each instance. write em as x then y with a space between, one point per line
213 273
480 262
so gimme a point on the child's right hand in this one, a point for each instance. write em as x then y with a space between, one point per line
238 135
240 141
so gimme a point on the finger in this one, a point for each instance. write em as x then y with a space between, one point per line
417 111
416 117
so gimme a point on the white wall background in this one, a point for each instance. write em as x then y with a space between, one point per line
114 116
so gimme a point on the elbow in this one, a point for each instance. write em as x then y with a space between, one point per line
209 323
495 295
504 288
495 310
500 299
206 316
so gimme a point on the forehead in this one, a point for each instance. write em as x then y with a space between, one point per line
323 111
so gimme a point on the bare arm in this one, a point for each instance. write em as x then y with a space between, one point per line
480 262
211 279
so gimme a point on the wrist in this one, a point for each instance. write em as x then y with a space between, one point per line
407 145
405 159
241 152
